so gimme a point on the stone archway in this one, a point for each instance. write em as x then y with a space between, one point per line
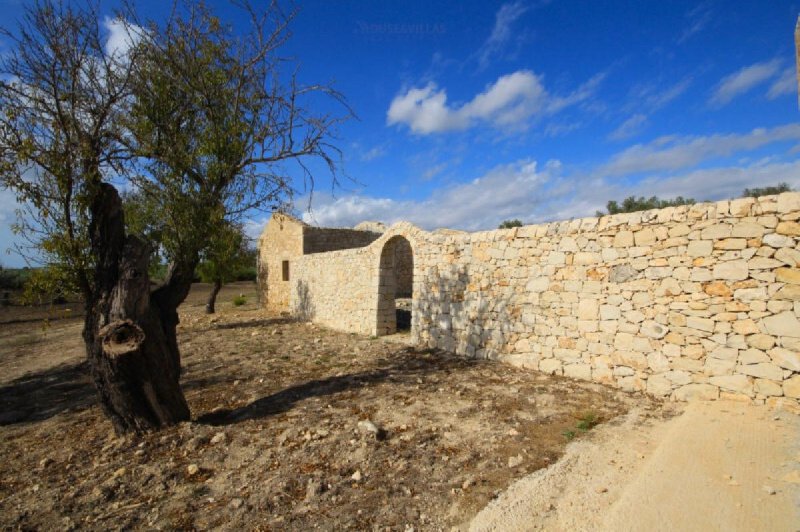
395 286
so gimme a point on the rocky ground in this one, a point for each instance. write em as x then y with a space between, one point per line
294 427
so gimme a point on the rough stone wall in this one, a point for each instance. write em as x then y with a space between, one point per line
692 301
346 290
322 239
680 302
281 240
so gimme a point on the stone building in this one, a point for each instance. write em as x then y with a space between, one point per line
683 302
284 240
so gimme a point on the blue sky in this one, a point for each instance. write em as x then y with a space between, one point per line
475 112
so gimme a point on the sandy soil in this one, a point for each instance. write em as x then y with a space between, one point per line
717 466
294 427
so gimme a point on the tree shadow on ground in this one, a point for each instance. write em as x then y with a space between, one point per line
254 323
42 395
405 367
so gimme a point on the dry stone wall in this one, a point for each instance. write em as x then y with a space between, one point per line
686 302
322 239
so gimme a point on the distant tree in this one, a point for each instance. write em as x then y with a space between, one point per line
224 258
766 191
634 204
508 224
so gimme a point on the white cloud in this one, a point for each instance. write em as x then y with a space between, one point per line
122 36
509 103
433 171
655 99
629 127
521 190
501 32
375 153
674 153
784 85
698 18
742 81
507 191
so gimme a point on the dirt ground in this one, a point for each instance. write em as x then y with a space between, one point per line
294 427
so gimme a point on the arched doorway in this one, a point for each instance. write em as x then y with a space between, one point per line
395 286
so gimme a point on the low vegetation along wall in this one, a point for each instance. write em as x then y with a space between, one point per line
683 302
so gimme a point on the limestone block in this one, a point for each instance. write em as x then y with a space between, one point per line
724 353
657 362
763 263
735 270
642 345
702 324
764 370
734 383
588 309
747 230
671 350
785 358
658 385
578 371
783 324
556 258
788 202
609 254
788 228
716 232
623 371
700 248
777 241
715 367
679 230
551 366
631 384
790 292
788 275
768 388
622 273
717 288
791 387
589 326
679 377
752 355
741 206
697 275
568 244
750 294
691 392
676 319
644 237
760 341
687 364
653 329
584 258
538 284
697 351
634 316
730 243
788 256
629 358
609 312
623 239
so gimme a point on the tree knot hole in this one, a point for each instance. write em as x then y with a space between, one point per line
121 337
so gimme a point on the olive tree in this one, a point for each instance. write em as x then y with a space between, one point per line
200 119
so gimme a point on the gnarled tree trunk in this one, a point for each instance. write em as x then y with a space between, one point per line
129 332
212 297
